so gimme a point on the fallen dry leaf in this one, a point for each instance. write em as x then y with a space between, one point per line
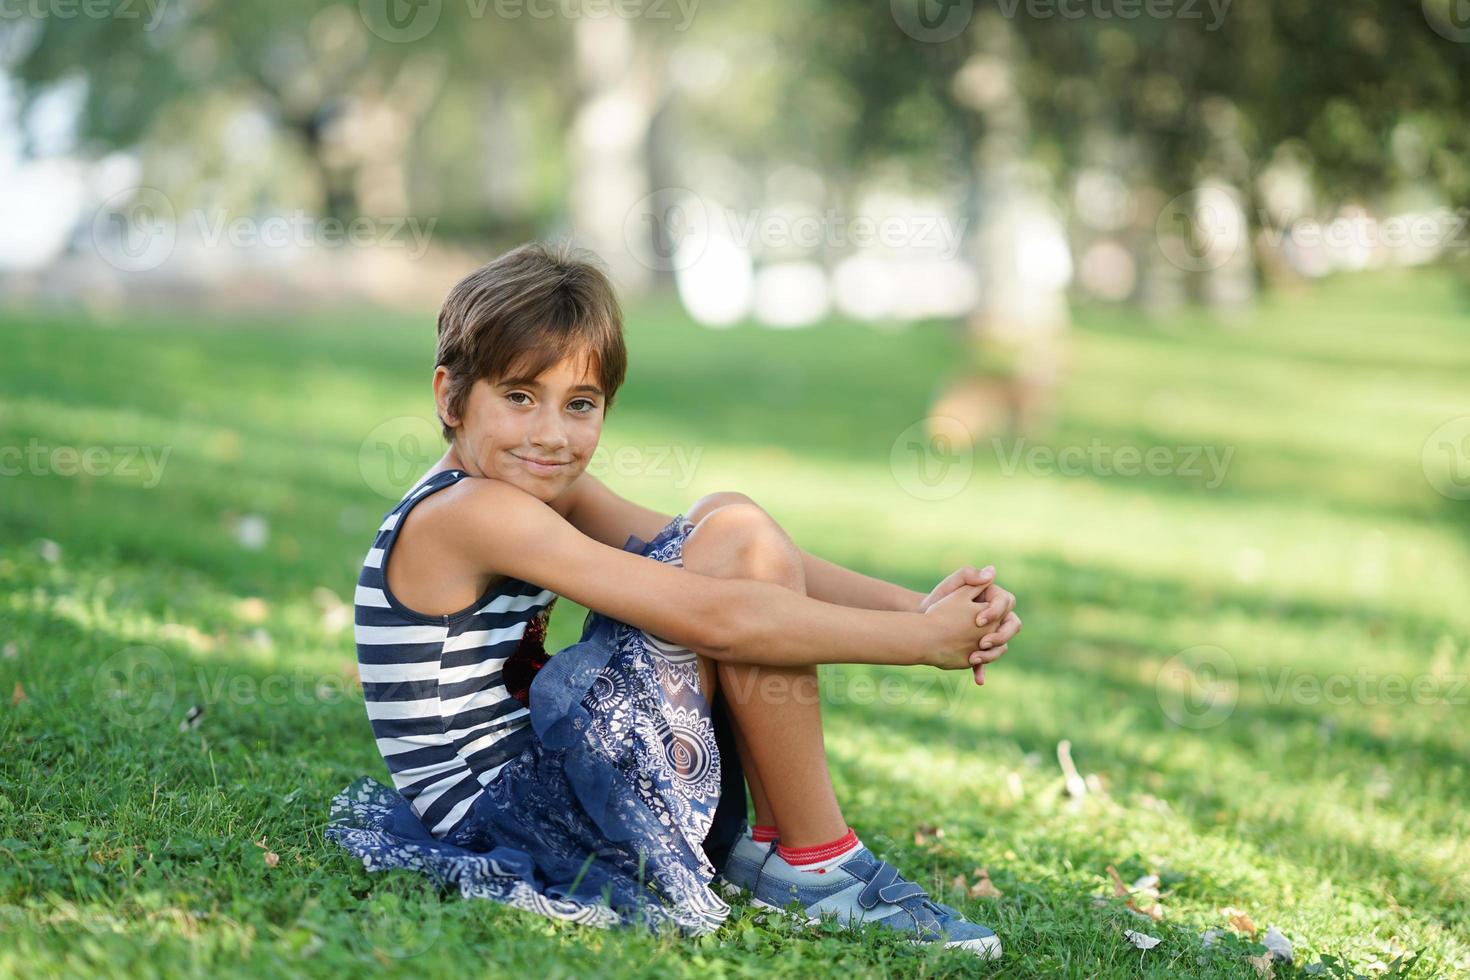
1153 910
18 695
271 857
1278 945
1119 889
1263 965
983 887
1141 940
922 835
1239 921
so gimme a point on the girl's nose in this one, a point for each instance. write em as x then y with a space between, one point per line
548 434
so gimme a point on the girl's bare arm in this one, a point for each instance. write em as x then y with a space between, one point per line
602 514
503 530
831 582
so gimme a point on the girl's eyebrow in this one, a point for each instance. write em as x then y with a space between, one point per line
533 383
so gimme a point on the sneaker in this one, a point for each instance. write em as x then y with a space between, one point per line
865 891
743 866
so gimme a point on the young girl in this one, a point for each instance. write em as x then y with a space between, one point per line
606 784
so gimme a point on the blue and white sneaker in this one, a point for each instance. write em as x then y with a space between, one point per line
862 890
743 867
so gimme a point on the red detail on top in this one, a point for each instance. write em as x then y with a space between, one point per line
797 856
763 833
520 667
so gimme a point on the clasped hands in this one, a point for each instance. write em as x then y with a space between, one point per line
994 606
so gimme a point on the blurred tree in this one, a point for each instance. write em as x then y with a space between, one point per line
499 118
347 99
1184 114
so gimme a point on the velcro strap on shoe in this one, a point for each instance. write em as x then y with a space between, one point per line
885 875
895 893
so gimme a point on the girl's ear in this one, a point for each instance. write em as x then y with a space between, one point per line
441 397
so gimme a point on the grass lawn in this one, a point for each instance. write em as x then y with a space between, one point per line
1316 783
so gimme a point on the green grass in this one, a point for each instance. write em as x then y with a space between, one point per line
130 847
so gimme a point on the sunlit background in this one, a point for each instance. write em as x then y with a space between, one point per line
767 162
1161 306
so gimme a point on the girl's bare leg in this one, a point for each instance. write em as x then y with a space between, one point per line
776 711
764 817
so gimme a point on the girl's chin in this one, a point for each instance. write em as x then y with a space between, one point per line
545 487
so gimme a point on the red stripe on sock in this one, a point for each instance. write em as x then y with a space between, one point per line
763 833
797 856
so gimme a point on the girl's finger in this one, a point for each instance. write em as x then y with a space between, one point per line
987 656
1005 634
980 675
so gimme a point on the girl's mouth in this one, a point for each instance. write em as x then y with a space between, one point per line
539 466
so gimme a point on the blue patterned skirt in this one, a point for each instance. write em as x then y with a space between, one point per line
619 812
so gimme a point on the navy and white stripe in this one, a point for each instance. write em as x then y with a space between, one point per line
442 716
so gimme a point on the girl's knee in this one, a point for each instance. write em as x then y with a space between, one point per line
711 502
741 540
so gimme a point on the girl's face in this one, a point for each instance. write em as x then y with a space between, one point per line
535 433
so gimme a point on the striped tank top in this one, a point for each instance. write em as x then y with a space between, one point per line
446 695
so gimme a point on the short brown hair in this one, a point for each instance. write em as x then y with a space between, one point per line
524 312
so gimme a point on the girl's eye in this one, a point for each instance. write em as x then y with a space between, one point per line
579 405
